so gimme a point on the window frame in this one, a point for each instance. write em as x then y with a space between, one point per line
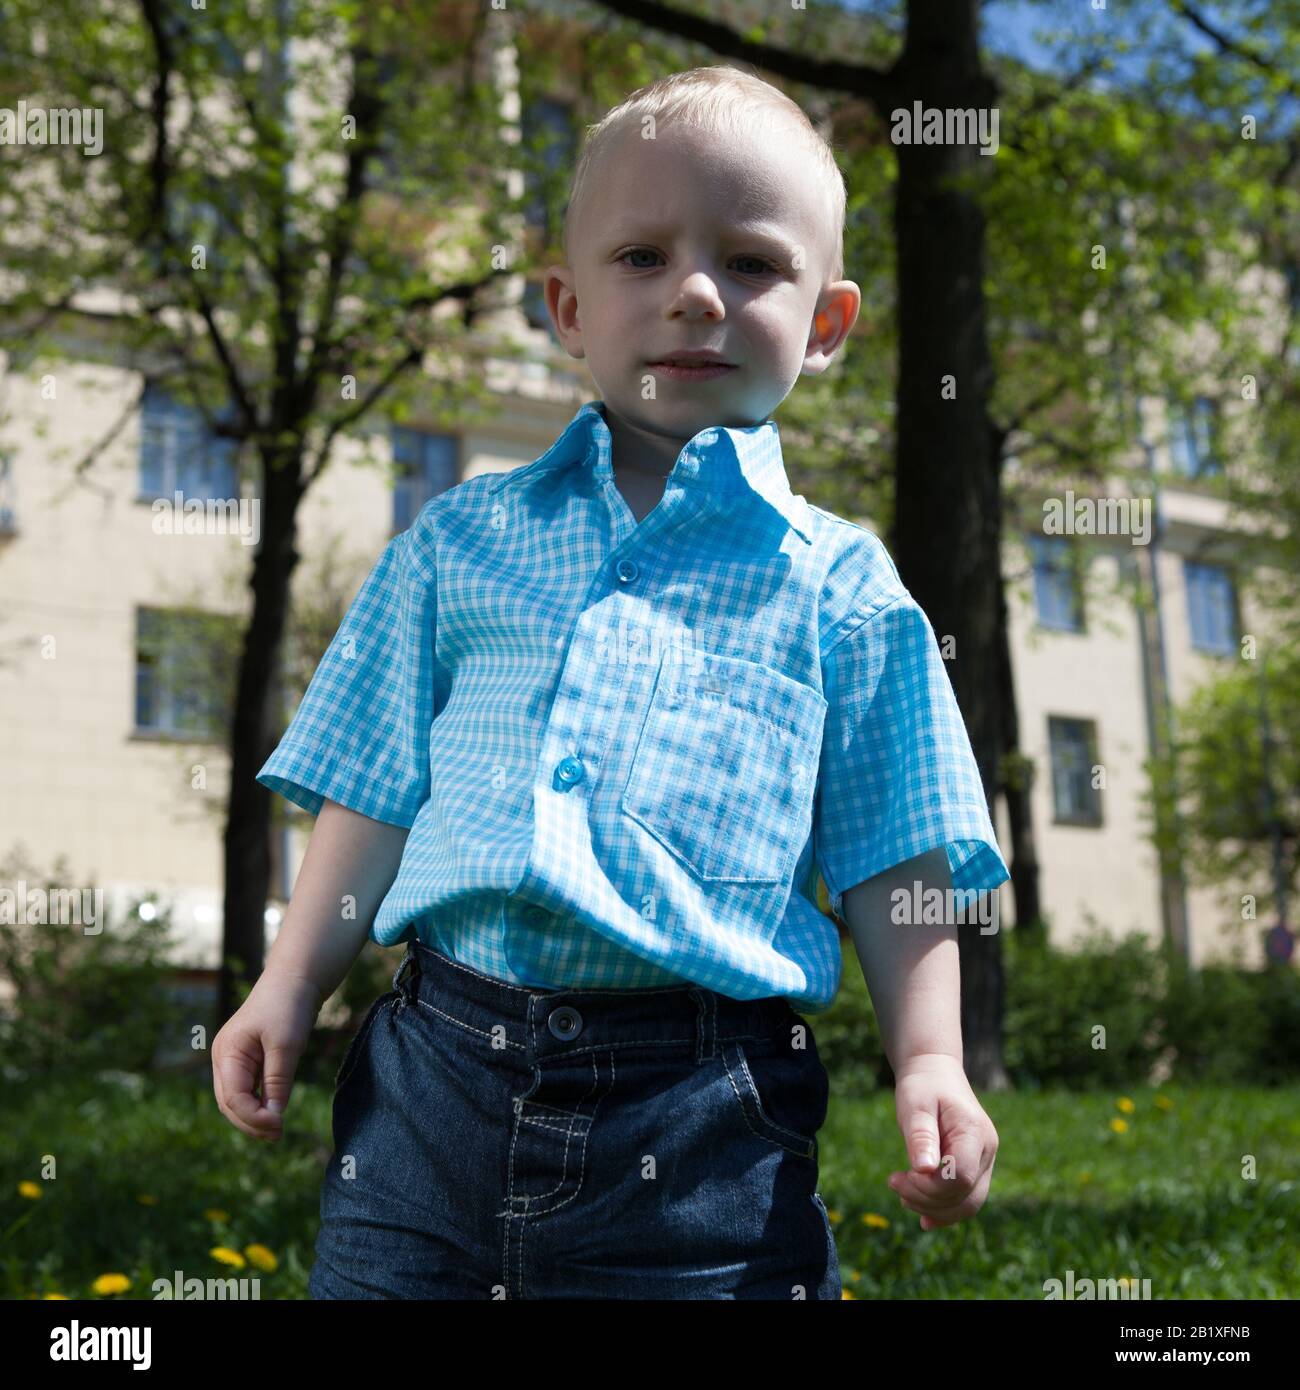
167 667
1043 550
1093 815
1197 456
428 489
1196 604
182 422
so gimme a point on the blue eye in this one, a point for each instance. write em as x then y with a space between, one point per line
646 251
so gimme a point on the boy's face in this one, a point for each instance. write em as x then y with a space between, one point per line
693 240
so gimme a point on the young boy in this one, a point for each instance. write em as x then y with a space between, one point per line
584 739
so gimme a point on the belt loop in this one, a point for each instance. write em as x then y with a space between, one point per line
407 973
706 1037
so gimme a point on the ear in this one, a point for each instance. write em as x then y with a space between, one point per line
562 305
833 320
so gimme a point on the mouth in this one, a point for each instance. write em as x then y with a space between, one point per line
693 366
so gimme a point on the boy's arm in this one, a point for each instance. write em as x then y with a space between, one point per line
914 977
348 856
911 969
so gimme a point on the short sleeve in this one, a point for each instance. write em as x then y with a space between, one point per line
361 734
898 776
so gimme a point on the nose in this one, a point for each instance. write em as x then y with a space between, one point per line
697 295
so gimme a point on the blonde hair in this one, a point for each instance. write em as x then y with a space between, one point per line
724 100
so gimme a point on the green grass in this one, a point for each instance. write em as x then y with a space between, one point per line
170 1143
1165 1201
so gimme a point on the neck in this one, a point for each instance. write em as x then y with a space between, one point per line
636 450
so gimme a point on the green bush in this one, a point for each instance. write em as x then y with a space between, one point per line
1217 1025
1085 1019
80 1001
1231 1025
848 1035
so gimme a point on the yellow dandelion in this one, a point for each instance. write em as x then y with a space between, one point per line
63 1296
855 1276
111 1283
1119 1126
216 1214
30 1189
227 1256
875 1221
847 1293
1126 1105
260 1256
146 1200
1164 1103
1085 1176
835 1217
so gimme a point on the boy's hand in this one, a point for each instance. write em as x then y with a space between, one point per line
263 1040
946 1131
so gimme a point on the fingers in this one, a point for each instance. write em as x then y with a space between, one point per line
948 1216
953 1201
277 1076
235 1069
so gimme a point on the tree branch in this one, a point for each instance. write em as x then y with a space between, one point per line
879 88
88 459
415 352
367 106
336 350
1225 44
158 173
233 378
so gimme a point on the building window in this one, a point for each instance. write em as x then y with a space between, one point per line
1193 438
181 663
1292 273
1057 596
549 123
8 498
179 453
1211 608
535 310
1073 743
426 464
548 132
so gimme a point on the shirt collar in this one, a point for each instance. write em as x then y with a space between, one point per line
719 459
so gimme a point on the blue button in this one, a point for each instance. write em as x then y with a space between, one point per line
571 770
626 571
565 1023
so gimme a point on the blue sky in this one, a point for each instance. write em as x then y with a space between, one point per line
1007 26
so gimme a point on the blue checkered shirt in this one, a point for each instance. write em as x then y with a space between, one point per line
625 751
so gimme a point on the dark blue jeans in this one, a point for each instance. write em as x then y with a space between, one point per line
499 1141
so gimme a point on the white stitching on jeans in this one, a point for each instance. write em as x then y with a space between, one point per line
460 1023
541 1196
805 1151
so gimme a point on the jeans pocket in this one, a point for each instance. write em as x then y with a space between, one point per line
781 1094
833 1286
725 768
358 1041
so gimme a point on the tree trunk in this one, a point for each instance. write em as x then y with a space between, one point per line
254 730
1015 783
947 526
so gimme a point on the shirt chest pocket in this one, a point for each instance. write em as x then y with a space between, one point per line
725 768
